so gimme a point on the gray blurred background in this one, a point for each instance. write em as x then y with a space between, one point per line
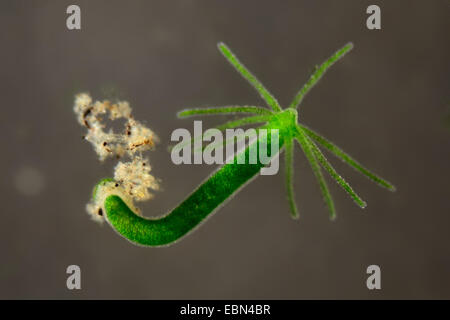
385 103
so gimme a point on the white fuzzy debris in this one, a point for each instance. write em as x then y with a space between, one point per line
135 178
132 179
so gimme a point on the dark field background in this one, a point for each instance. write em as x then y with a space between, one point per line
384 103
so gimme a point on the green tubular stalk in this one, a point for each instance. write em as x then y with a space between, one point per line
200 204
